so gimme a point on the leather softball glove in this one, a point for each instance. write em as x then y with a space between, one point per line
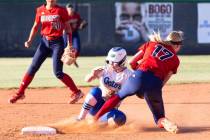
69 56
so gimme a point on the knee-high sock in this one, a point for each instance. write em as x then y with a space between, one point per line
108 105
90 102
25 82
67 80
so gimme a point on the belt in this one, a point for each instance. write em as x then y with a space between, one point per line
52 37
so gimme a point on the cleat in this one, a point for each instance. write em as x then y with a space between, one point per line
168 125
78 119
16 97
76 97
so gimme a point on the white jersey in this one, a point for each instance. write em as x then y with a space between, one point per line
111 81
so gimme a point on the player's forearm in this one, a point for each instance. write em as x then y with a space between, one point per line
94 74
33 33
90 78
69 42
69 33
135 59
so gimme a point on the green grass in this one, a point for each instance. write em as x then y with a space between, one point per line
192 69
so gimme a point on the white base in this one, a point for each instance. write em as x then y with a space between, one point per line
39 130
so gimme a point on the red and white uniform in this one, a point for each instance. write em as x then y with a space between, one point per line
157 58
52 20
75 21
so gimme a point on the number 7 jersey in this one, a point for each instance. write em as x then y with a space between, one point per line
158 58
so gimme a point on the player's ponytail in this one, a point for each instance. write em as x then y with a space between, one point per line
155 37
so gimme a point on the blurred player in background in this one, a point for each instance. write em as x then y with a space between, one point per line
53 20
76 23
112 76
154 64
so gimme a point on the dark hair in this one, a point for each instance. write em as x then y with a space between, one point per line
69 5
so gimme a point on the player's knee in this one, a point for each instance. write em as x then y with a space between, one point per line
152 98
96 92
59 75
33 69
119 117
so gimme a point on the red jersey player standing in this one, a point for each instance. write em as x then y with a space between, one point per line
76 23
153 65
53 20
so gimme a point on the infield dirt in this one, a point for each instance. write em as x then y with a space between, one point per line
186 104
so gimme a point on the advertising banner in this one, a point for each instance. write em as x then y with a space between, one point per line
159 17
203 23
135 21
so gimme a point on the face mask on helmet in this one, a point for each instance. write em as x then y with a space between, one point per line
116 56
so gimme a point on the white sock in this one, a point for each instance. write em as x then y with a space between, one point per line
90 102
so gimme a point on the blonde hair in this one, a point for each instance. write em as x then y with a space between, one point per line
173 38
155 37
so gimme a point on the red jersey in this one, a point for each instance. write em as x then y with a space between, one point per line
158 58
75 21
52 20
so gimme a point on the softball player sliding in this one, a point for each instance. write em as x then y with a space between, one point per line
154 64
53 20
112 76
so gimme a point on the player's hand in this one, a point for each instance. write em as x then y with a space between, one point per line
94 74
83 24
27 44
97 70
110 93
72 51
69 56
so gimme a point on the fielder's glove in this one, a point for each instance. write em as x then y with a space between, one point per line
69 56
83 24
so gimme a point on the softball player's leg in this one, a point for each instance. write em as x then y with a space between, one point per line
76 42
153 97
134 83
153 94
114 117
93 102
76 45
155 103
57 47
39 57
58 50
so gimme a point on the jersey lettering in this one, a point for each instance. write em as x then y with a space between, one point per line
49 18
56 25
110 83
162 53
